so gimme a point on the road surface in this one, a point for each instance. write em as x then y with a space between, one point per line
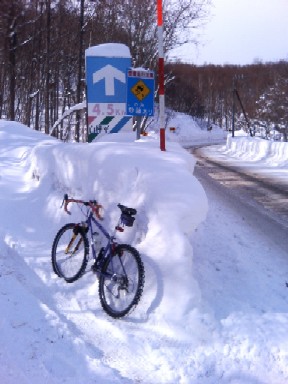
266 195
241 250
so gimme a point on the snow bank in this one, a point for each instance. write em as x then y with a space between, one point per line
160 185
256 149
187 132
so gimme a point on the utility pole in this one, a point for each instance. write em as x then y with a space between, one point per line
236 94
233 108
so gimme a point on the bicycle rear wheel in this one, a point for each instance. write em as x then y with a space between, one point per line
121 281
70 252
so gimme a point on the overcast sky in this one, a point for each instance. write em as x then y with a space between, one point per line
240 32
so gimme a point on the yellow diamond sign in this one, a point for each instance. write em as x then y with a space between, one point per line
140 90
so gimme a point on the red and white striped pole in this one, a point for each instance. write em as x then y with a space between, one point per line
161 91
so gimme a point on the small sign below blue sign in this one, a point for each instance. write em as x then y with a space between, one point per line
140 92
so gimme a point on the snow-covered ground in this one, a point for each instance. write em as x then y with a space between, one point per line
53 332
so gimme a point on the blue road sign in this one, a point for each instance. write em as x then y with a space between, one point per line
106 82
106 79
140 92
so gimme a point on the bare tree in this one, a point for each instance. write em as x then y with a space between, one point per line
273 107
41 46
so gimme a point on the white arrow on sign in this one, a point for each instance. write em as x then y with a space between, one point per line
109 74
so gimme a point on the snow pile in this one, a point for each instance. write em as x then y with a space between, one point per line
185 130
135 174
255 149
109 50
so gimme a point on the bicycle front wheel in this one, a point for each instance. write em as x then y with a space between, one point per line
121 281
70 252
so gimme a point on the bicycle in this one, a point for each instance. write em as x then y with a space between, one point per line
118 266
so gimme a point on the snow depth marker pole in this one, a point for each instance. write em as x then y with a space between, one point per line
161 75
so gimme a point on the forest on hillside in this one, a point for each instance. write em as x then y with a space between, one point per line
42 69
256 94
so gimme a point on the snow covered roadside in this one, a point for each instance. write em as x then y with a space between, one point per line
56 333
252 151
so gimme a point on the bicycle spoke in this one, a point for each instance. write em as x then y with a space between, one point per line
69 253
121 282
70 243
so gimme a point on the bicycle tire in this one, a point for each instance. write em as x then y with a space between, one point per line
121 281
70 257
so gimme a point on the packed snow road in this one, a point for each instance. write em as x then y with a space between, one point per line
241 266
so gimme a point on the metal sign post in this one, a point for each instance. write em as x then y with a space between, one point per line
161 75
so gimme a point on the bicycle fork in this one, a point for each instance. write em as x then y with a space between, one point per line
71 243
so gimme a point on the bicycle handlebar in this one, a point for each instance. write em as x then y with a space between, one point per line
95 207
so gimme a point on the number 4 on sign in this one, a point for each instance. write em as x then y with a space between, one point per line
97 109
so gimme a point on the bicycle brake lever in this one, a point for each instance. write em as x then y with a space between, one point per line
64 199
65 203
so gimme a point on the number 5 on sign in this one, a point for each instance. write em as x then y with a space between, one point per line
110 109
